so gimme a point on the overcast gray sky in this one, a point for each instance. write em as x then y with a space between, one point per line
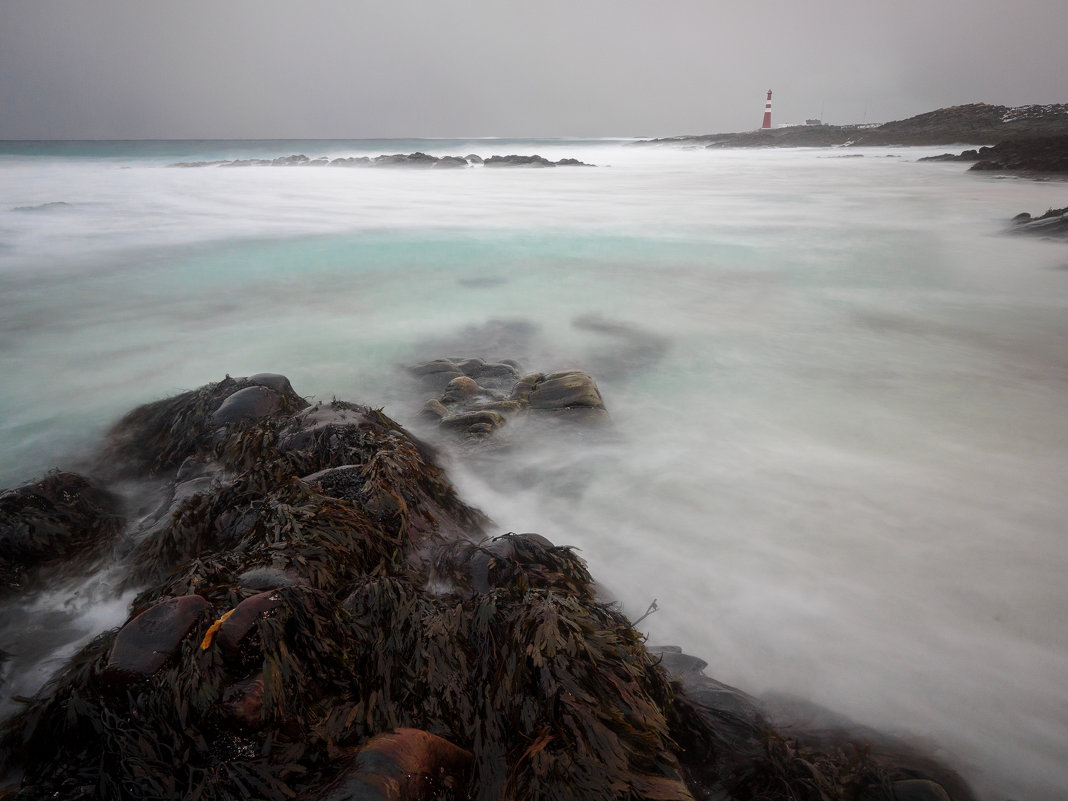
134 69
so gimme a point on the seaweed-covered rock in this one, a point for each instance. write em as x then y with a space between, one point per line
52 520
159 436
325 619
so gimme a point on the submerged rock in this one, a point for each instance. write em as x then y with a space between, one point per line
1053 224
479 397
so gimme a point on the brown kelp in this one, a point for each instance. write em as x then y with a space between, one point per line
322 617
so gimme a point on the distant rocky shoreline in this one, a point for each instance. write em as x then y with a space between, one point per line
976 123
416 160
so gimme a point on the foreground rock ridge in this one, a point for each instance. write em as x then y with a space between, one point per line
320 616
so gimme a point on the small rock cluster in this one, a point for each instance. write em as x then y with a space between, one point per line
478 397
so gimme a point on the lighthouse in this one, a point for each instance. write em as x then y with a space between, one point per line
766 125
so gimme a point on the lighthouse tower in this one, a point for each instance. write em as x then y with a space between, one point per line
766 125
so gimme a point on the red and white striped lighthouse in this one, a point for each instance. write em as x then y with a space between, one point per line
766 125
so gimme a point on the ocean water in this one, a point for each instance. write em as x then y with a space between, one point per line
839 447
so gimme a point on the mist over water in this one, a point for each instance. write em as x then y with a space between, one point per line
839 447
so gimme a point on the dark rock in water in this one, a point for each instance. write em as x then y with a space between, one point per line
409 160
450 162
474 158
352 161
465 421
52 206
565 390
967 155
484 395
1053 224
460 389
53 519
148 641
518 161
1038 155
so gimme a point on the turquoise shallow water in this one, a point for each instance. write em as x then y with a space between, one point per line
838 449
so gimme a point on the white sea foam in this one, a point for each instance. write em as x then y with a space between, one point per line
839 443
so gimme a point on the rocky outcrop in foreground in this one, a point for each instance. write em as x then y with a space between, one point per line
321 617
394 160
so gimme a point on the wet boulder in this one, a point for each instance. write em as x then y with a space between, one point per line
250 403
400 765
569 389
150 640
478 397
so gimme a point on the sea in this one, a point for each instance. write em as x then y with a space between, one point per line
838 388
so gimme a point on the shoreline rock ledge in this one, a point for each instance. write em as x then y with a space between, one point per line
321 617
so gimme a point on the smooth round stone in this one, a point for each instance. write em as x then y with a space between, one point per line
250 403
433 410
275 381
148 641
243 617
460 388
566 389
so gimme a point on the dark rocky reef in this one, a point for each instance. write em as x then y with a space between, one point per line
531 161
320 616
418 160
975 123
1040 155
1053 224
478 397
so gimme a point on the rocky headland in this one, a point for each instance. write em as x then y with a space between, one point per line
320 616
416 160
975 123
